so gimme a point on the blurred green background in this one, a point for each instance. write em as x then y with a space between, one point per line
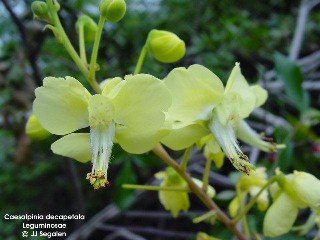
217 34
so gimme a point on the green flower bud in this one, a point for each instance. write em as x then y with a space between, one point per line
34 130
56 5
165 46
211 192
39 9
112 10
173 201
234 205
90 27
173 177
307 189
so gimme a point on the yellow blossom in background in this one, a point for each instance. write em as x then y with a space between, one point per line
298 190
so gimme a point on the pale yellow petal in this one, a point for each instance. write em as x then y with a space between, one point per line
138 142
260 93
183 135
195 92
61 105
111 87
307 188
239 89
74 145
141 102
280 216
139 112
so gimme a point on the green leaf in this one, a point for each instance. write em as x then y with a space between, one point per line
5 96
124 197
7 147
290 74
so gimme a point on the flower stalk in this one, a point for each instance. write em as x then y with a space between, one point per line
254 199
198 191
68 46
141 59
184 161
94 55
154 188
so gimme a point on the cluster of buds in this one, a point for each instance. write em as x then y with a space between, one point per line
41 10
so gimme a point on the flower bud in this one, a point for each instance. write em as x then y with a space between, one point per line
307 189
211 192
262 200
90 27
173 201
112 10
39 9
165 46
34 130
56 5
234 205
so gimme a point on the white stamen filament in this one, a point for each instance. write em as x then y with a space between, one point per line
101 138
246 134
225 136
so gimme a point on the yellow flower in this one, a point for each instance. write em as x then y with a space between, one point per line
298 190
173 201
176 201
129 112
203 111
251 185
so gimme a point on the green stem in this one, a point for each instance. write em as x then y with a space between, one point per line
205 177
82 46
94 55
141 59
184 161
154 188
254 199
68 46
210 214
163 155
65 40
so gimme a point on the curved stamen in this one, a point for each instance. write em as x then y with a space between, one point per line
101 139
225 136
246 134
